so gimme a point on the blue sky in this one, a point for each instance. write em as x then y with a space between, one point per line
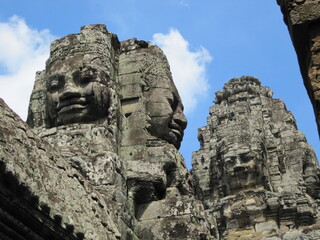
217 40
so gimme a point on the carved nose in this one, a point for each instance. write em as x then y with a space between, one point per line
69 91
180 119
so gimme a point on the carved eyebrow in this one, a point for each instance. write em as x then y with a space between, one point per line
53 77
89 69
229 158
89 72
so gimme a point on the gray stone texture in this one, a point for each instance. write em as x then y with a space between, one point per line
255 171
112 111
99 157
302 18
42 187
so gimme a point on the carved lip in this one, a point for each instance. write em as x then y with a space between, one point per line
177 132
240 170
71 104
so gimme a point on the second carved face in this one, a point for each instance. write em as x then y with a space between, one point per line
166 112
241 168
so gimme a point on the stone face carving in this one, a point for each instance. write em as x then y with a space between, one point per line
302 18
252 168
114 113
79 83
157 180
166 112
77 91
105 125
241 166
147 86
164 107
75 108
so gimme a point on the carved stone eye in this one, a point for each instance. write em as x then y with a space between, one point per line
174 103
55 83
85 80
246 157
88 75
229 162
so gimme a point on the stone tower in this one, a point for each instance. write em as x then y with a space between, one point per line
98 157
254 171
113 112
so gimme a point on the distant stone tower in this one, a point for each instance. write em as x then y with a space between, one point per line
254 171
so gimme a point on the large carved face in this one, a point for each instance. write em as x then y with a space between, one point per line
166 112
76 91
241 168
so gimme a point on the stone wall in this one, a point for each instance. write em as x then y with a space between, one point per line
302 18
42 196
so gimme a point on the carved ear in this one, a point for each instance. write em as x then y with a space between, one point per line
144 80
51 119
145 86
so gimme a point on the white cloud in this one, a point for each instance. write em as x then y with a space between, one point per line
23 52
188 68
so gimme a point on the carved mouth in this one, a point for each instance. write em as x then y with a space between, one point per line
71 104
240 170
177 132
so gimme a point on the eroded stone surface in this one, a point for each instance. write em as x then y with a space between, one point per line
41 183
149 98
255 171
158 182
302 18
114 113
100 155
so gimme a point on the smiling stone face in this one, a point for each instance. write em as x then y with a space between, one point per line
76 91
149 94
79 82
166 112
241 167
